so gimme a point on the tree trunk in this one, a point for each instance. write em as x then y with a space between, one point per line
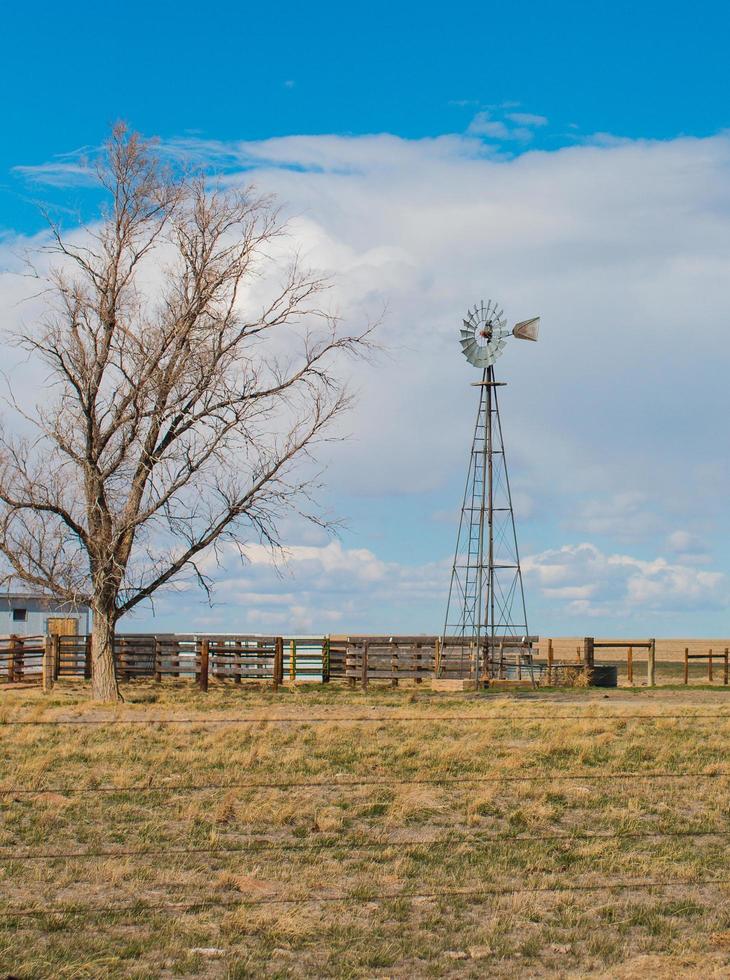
103 673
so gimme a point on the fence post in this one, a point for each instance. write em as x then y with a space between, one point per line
630 665
121 658
87 657
588 657
56 655
709 666
325 660
12 658
725 671
651 664
157 661
278 662
437 656
47 665
236 656
686 665
550 663
365 665
204 663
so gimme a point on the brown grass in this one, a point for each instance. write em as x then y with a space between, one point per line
360 896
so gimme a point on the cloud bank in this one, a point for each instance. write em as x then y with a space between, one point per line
614 422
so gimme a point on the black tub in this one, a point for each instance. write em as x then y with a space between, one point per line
605 675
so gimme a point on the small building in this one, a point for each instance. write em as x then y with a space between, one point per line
25 614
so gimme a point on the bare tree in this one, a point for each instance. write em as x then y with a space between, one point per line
182 414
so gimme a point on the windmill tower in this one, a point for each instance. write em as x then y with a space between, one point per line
486 619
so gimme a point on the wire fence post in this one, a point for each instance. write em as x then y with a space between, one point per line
725 671
630 665
550 663
588 657
651 664
709 666
686 665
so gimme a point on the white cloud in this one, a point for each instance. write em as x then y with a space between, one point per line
59 173
527 119
484 124
623 516
313 586
592 582
685 543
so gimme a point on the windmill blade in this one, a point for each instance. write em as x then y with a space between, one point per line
527 329
471 350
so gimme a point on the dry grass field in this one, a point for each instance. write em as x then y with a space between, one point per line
394 833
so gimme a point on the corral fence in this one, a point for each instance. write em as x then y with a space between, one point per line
392 658
223 658
21 657
357 659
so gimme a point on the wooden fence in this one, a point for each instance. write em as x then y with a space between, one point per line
585 661
280 660
393 658
710 658
275 659
21 658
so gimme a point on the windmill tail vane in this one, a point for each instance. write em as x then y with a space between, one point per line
485 634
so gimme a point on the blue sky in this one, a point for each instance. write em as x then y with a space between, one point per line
569 159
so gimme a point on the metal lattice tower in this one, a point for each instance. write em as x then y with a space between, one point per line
486 606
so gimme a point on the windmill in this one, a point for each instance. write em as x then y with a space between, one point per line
485 612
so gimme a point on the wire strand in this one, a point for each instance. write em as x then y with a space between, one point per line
264 844
473 894
359 719
344 784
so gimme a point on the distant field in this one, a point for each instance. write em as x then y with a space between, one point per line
587 832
